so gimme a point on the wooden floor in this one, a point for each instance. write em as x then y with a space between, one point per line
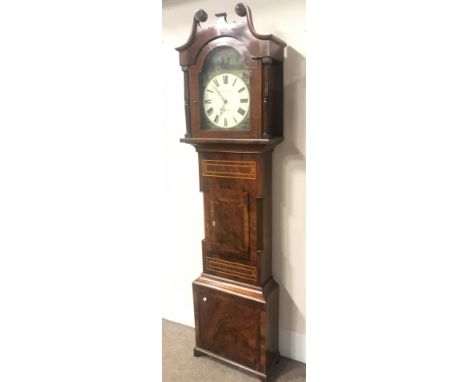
179 364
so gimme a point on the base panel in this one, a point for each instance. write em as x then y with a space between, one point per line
238 326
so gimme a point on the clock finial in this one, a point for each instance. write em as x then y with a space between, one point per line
241 9
200 15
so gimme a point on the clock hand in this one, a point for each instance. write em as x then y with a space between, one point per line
224 99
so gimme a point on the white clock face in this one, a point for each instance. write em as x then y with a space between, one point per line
226 100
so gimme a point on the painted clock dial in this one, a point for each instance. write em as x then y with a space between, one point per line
226 100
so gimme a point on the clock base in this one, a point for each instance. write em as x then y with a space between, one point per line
262 376
237 324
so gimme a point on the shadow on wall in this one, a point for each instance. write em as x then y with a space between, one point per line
289 166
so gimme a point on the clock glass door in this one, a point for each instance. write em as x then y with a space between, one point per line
225 91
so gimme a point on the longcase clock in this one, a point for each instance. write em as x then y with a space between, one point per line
233 82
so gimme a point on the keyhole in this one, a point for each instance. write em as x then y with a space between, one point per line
214 223
204 298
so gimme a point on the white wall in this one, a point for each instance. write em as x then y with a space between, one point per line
287 21
388 189
78 192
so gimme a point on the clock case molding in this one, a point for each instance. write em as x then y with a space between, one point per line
236 298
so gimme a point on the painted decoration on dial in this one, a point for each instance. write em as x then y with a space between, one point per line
226 100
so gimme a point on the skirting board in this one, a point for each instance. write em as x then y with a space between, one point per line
291 344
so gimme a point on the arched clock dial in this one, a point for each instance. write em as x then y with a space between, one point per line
226 100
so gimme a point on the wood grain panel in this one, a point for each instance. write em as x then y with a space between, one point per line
227 222
231 268
229 326
229 169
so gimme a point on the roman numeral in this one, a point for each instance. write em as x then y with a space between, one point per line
241 111
234 81
216 82
209 101
244 100
216 119
225 79
225 122
241 89
209 111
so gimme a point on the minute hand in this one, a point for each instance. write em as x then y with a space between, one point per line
217 91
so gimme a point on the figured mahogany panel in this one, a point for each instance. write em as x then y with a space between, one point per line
228 326
227 222
237 323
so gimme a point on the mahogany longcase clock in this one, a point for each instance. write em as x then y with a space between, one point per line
233 81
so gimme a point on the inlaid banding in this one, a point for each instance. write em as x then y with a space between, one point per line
232 269
229 169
